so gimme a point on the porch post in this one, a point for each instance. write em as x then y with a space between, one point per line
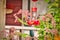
2 17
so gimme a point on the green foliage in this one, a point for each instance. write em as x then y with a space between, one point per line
42 27
18 34
54 9
22 34
46 0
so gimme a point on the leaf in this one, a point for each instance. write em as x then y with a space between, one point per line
18 33
46 1
22 21
24 35
56 0
41 37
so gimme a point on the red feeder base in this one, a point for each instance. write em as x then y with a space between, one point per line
34 0
34 9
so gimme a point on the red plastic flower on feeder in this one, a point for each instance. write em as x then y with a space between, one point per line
36 22
34 0
30 22
33 22
34 9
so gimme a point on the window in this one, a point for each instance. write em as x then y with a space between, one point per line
14 5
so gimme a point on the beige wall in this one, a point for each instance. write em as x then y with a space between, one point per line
2 15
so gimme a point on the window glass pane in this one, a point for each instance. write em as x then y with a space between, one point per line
12 7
